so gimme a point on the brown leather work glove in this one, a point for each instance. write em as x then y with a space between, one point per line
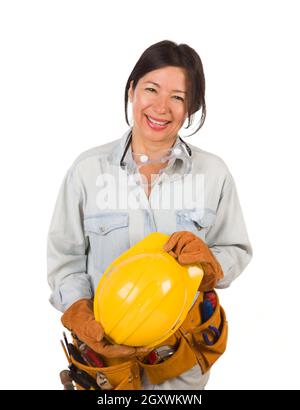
187 248
79 319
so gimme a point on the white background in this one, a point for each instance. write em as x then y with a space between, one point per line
63 70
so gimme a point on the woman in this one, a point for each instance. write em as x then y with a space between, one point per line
149 180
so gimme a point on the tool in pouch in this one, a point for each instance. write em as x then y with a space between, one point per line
66 380
160 354
103 382
83 355
211 334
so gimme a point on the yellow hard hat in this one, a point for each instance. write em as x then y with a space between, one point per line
145 294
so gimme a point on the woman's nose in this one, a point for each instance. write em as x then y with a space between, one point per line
161 105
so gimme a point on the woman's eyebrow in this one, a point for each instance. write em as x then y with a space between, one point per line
175 91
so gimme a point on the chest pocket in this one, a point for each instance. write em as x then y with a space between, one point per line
197 221
108 237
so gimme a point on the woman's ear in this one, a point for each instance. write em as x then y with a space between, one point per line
130 91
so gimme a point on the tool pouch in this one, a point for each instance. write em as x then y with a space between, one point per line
193 331
182 360
122 374
190 345
190 348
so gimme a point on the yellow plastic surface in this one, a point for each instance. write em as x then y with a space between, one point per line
145 294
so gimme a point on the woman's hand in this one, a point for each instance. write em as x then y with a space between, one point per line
188 248
79 319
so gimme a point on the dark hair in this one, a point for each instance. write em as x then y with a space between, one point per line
167 53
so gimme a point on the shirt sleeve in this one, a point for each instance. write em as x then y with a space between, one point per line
228 238
66 248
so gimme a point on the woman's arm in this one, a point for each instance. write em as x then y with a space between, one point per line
228 238
67 245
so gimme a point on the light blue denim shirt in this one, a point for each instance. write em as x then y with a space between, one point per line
102 210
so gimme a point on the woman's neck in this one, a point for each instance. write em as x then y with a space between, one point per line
150 148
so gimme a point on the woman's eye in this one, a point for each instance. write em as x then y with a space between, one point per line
178 98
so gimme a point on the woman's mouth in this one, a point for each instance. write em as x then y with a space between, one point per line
155 124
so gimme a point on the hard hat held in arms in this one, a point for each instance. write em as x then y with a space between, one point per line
145 294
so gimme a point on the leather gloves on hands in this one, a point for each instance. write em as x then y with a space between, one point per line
79 319
188 248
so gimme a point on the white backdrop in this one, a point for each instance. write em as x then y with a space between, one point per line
64 65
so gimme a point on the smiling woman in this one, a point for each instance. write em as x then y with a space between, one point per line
157 184
165 87
159 111
158 107
170 71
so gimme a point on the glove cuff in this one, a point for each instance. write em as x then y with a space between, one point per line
81 310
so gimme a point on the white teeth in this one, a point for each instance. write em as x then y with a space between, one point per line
156 122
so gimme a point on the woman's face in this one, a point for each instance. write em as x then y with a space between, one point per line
159 104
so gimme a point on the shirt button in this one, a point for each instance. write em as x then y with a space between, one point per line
102 228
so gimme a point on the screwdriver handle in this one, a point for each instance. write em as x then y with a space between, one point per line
66 380
91 355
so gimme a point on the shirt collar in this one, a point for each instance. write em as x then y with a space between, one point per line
118 150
